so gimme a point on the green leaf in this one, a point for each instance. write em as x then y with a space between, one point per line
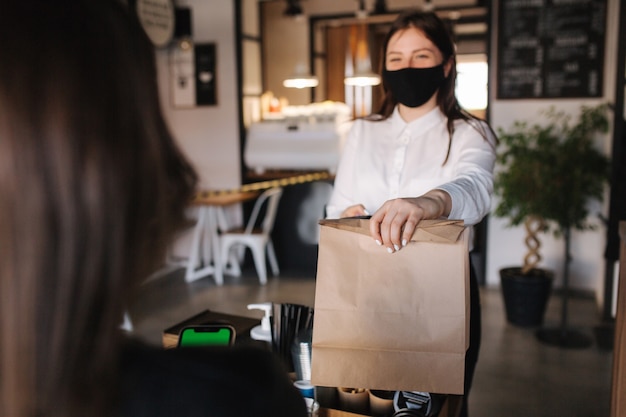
553 169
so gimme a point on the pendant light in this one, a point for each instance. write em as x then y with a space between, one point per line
294 9
360 73
301 78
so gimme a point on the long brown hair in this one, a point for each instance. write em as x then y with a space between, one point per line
437 32
92 188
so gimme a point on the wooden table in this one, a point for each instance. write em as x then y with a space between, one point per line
205 247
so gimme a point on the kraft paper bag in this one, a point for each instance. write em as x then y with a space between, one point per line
391 321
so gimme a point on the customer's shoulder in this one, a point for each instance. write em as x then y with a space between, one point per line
195 362
207 381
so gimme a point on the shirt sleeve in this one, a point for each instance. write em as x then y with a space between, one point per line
472 187
342 196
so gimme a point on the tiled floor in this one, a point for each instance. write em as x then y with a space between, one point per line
516 375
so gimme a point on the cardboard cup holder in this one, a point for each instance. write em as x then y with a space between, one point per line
354 400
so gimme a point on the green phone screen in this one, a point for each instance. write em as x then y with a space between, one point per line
206 336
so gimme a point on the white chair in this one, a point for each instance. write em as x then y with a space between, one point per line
257 239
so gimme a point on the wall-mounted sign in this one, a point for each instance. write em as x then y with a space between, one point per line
205 60
550 48
193 75
157 19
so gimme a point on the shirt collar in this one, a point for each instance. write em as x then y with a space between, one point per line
421 124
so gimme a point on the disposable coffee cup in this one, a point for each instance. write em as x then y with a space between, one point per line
306 388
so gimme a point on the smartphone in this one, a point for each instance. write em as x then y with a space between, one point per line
207 335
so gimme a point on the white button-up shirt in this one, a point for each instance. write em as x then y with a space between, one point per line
388 159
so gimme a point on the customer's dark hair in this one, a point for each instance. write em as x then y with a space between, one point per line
437 32
92 188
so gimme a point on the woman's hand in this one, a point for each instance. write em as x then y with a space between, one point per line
353 211
395 221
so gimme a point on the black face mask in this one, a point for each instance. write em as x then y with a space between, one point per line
414 86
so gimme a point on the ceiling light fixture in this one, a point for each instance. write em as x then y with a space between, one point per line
294 9
358 62
301 79
380 7
362 79
361 13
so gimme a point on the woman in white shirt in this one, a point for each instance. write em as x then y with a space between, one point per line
422 156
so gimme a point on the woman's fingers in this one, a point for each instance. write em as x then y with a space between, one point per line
394 223
408 230
375 221
353 211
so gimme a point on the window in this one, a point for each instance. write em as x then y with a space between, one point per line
471 83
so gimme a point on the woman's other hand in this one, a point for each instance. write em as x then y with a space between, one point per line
353 211
395 221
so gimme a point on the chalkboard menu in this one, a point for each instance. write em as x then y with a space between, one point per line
550 48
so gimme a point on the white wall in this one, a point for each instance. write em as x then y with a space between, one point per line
506 245
209 135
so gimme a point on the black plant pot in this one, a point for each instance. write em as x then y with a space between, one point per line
526 296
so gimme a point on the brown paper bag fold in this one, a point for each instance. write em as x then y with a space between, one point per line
391 321
444 231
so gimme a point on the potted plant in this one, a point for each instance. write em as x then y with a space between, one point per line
548 173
